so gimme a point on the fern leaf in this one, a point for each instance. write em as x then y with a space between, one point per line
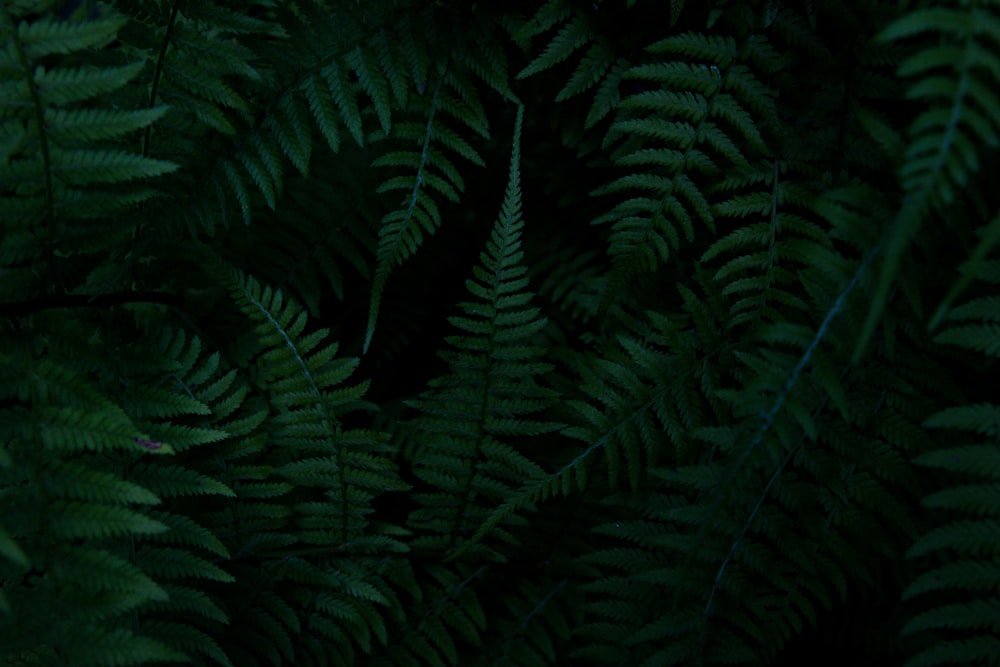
941 154
967 540
687 126
364 64
573 36
90 125
321 104
471 413
768 253
74 544
593 67
401 231
341 91
291 132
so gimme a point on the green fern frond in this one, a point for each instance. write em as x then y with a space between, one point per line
203 66
761 280
598 67
570 38
300 376
956 78
429 173
642 406
961 561
190 398
698 117
447 614
374 66
474 417
64 162
300 499
66 571
784 438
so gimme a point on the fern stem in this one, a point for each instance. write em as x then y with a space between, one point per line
709 605
765 427
806 357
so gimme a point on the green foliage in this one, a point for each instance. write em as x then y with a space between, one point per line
961 563
720 386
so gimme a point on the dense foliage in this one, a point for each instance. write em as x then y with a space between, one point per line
624 332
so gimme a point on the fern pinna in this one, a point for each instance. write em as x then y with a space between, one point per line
724 396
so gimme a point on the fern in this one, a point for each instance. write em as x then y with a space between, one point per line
671 454
64 169
598 67
960 560
941 153
66 567
462 453
447 94
699 117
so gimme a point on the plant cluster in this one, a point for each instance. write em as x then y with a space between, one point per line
623 332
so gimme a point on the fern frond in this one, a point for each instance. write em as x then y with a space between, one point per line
955 76
696 118
762 279
429 173
571 37
598 67
300 374
203 65
65 571
474 417
332 95
643 402
961 561
727 536
63 161
447 613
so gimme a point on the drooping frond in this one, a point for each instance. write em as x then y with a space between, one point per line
954 78
301 376
670 455
575 30
428 145
768 248
699 111
688 549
